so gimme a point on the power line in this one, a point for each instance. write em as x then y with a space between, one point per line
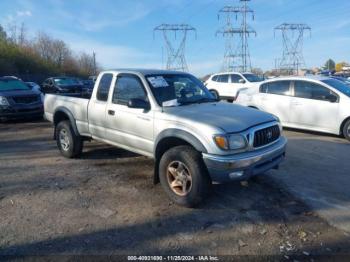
176 59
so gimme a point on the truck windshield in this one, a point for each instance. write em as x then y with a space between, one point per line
339 85
178 89
12 84
66 81
253 78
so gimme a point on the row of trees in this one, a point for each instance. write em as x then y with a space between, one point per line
42 55
333 66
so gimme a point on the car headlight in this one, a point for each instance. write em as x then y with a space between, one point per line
230 142
3 101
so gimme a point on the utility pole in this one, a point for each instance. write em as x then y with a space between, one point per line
237 55
176 59
293 41
94 61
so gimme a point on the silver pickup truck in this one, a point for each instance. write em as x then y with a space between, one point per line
171 117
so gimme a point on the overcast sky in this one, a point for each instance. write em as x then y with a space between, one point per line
121 32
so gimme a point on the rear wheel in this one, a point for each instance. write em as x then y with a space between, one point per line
183 176
68 142
346 130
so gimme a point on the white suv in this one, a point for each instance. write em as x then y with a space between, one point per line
227 85
311 103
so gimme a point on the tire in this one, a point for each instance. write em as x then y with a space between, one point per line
346 130
215 92
73 145
184 160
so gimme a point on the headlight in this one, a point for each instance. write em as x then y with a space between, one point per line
3 101
230 142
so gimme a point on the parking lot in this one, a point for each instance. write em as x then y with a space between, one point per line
105 202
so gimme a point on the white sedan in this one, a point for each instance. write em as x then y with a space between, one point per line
310 103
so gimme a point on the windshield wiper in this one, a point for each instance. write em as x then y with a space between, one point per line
198 101
205 100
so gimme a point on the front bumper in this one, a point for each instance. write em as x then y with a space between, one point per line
244 165
19 112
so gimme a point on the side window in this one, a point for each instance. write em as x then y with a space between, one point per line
235 78
304 89
215 78
103 87
128 87
263 88
223 78
277 88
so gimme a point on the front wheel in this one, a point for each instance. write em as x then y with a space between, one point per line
346 130
183 176
68 142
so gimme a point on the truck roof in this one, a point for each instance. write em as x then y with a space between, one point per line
145 71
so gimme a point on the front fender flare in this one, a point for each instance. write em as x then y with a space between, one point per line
181 134
70 117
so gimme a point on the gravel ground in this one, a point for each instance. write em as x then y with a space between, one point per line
105 203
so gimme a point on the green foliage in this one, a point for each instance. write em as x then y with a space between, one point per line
329 65
26 59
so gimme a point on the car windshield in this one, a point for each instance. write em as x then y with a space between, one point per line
344 80
65 81
178 89
253 78
12 84
339 85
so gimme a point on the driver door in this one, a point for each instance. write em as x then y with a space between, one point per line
311 106
237 83
129 127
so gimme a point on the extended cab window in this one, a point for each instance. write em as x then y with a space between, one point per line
276 88
128 87
309 90
103 87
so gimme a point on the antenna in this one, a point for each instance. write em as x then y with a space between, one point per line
175 55
293 41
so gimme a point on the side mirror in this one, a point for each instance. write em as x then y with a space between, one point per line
139 103
332 98
241 81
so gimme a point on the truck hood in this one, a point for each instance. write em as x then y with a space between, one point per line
229 117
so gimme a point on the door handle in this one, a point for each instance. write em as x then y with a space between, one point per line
111 112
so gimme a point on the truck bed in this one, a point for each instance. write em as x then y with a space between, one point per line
78 106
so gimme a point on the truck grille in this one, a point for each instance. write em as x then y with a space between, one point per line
25 99
266 136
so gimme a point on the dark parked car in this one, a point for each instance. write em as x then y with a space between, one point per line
88 86
342 79
67 85
17 100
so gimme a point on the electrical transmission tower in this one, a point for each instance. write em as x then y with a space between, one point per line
237 56
293 40
175 55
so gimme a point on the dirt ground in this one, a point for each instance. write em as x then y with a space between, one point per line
105 203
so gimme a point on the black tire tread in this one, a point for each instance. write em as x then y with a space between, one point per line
194 161
76 141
